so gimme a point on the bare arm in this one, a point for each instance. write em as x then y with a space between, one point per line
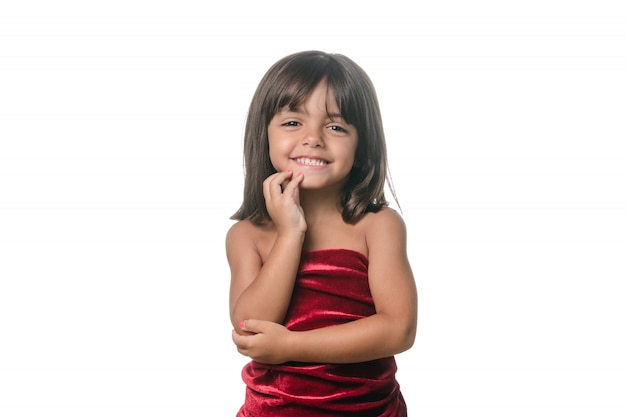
390 331
263 289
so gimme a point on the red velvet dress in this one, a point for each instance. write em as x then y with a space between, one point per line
331 288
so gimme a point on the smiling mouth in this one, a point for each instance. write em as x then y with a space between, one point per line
311 162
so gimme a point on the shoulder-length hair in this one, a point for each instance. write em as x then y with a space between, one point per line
287 83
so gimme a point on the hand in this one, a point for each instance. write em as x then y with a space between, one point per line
266 344
282 199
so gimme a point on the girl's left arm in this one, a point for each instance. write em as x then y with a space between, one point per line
389 331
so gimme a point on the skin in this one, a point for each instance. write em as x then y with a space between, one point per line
302 201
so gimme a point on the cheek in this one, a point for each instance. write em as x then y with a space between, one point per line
276 164
352 153
276 157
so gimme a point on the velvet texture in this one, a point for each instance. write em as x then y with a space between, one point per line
331 288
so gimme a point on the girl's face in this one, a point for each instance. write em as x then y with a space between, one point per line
313 139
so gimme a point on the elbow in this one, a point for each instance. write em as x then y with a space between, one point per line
237 316
407 339
400 336
406 335
239 313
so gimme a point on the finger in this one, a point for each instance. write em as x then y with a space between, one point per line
245 325
280 177
293 185
252 326
236 338
241 343
283 180
274 183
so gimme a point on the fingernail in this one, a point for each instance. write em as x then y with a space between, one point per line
242 324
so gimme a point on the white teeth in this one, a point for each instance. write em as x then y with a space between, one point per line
309 161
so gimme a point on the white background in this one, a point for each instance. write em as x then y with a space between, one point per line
121 161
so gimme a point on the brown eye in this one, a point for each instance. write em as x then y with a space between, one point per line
337 128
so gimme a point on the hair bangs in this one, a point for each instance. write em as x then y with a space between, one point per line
345 93
296 81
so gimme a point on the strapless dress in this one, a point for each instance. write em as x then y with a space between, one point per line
331 288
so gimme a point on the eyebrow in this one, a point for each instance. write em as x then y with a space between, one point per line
335 116
298 110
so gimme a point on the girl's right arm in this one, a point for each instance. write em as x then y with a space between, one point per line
262 290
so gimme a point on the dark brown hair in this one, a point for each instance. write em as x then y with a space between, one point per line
287 83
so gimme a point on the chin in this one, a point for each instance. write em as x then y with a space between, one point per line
309 184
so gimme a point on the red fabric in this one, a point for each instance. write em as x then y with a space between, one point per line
331 288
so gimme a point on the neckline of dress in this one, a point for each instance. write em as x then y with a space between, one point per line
361 254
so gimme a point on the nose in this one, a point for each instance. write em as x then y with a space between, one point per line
313 138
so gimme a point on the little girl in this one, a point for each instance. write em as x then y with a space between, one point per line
322 295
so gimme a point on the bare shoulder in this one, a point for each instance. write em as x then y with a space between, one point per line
384 225
240 235
387 214
245 237
239 230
